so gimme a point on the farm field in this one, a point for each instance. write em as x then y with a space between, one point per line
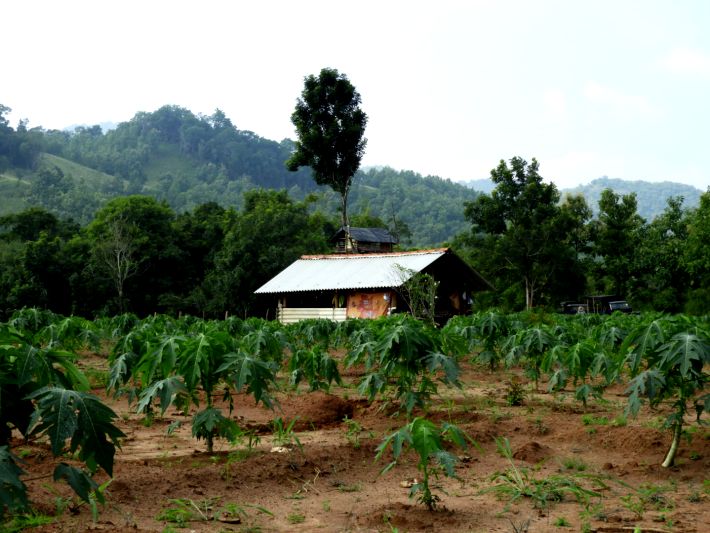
570 467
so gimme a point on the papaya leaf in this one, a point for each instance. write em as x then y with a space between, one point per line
455 434
167 390
47 366
426 438
256 375
371 385
642 341
686 351
64 414
119 372
164 357
211 422
80 482
437 361
446 461
611 337
648 384
195 360
13 492
558 380
315 365
360 350
396 441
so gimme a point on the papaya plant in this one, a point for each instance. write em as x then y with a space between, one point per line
675 371
315 365
529 346
309 342
492 330
428 440
404 353
42 393
182 362
583 362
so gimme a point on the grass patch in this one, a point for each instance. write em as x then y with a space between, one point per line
25 522
572 463
591 420
296 518
515 483
355 487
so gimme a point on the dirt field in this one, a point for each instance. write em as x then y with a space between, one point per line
165 482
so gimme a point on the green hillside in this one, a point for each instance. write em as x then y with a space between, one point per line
14 192
80 173
187 161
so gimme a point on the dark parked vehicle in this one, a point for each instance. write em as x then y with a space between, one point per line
573 308
607 304
602 304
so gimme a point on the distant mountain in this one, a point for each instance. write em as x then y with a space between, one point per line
651 196
105 126
484 185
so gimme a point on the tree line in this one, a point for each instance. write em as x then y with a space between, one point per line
139 255
539 249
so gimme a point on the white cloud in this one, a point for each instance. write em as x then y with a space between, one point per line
618 100
686 61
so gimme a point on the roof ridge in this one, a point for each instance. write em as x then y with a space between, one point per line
373 255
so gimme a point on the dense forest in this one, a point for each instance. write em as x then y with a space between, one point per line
177 213
189 160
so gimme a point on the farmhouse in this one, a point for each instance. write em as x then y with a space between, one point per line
363 241
369 285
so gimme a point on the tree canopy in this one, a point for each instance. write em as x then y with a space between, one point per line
519 226
330 127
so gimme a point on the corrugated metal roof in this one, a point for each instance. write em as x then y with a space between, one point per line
333 272
367 235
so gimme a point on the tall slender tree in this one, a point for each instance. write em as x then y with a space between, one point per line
330 127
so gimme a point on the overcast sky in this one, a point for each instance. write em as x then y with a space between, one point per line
616 88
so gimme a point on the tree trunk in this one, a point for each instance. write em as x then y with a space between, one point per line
344 208
210 443
344 220
677 431
529 293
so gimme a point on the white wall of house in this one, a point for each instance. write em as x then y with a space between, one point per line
288 315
